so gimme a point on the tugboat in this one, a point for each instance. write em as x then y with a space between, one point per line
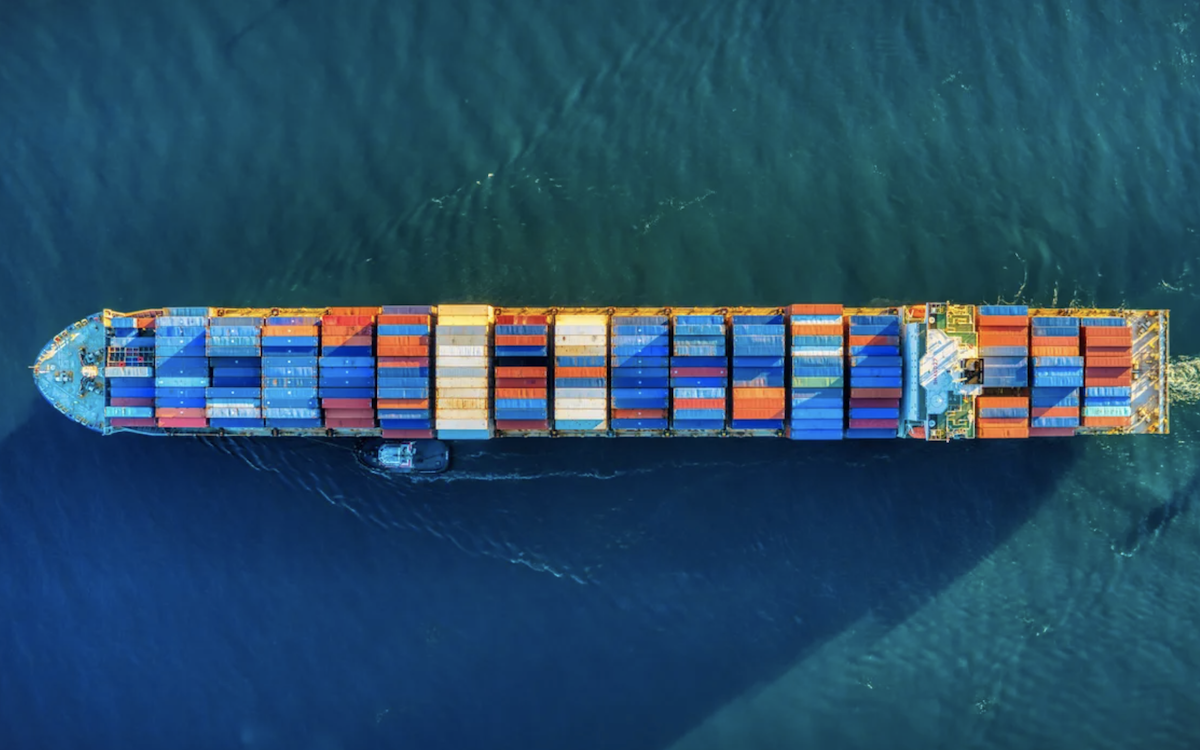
403 456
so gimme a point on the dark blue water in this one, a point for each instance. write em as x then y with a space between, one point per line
591 594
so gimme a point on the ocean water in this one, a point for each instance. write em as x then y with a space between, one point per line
595 594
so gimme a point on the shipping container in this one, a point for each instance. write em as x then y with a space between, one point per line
581 402
699 371
640 378
463 347
521 382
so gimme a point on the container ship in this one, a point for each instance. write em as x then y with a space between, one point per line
934 371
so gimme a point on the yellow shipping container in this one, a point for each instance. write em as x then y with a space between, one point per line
444 414
580 351
464 310
468 404
461 320
577 319
478 391
443 384
576 339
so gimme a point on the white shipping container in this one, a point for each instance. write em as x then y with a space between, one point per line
580 403
459 339
464 310
561 414
579 339
477 392
581 319
572 330
566 393
460 423
464 404
580 351
455 383
460 351
480 362
461 320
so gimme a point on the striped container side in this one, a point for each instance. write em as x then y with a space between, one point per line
462 357
346 368
818 354
699 372
403 361
181 368
129 377
581 373
640 393
758 372
1002 417
521 399
876 380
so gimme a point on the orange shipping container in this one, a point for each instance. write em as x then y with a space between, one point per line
509 340
580 372
757 403
328 330
1106 421
1108 332
1118 361
1001 321
818 329
327 341
1002 402
1054 351
531 393
366 312
1054 341
290 330
390 350
817 309
402 403
1002 421
521 320
699 403
874 340
403 320
1002 432
347 320
740 393
1055 411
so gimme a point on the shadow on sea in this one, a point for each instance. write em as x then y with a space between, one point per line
608 593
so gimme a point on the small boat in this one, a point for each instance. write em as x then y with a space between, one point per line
403 456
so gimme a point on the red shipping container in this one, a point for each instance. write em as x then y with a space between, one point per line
745 392
1107 381
367 312
520 383
522 425
132 421
580 372
345 403
1051 431
131 402
1002 432
874 393
347 320
874 403
404 340
875 424
402 403
874 341
699 403
520 372
757 403
1055 411
521 320
386 350
348 413
513 340
639 413
180 412
399 361
333 330
1001 402
1108 332
749 413
1115 362
407 434
182 422
699 372
1054 341
330 342
1054 351
816 309
346 424
403 320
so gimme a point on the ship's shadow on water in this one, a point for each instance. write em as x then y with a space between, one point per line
586 593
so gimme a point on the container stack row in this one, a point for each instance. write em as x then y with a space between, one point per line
875 376
289 372
1057 376
581 373
1002 417
234 349
759 369
347 368
1108 377
129 373
462 365
522 373
699 373
181 375
818 372
641 347
403 374
1003 338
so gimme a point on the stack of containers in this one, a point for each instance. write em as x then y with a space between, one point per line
403 374
875 376
699 373
234 348
1002 417
181 368
581 373
1108 377
129 373
463 360
522 372
641 345
1057 376
289 372
818 376
1003 332
347 368
759 363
